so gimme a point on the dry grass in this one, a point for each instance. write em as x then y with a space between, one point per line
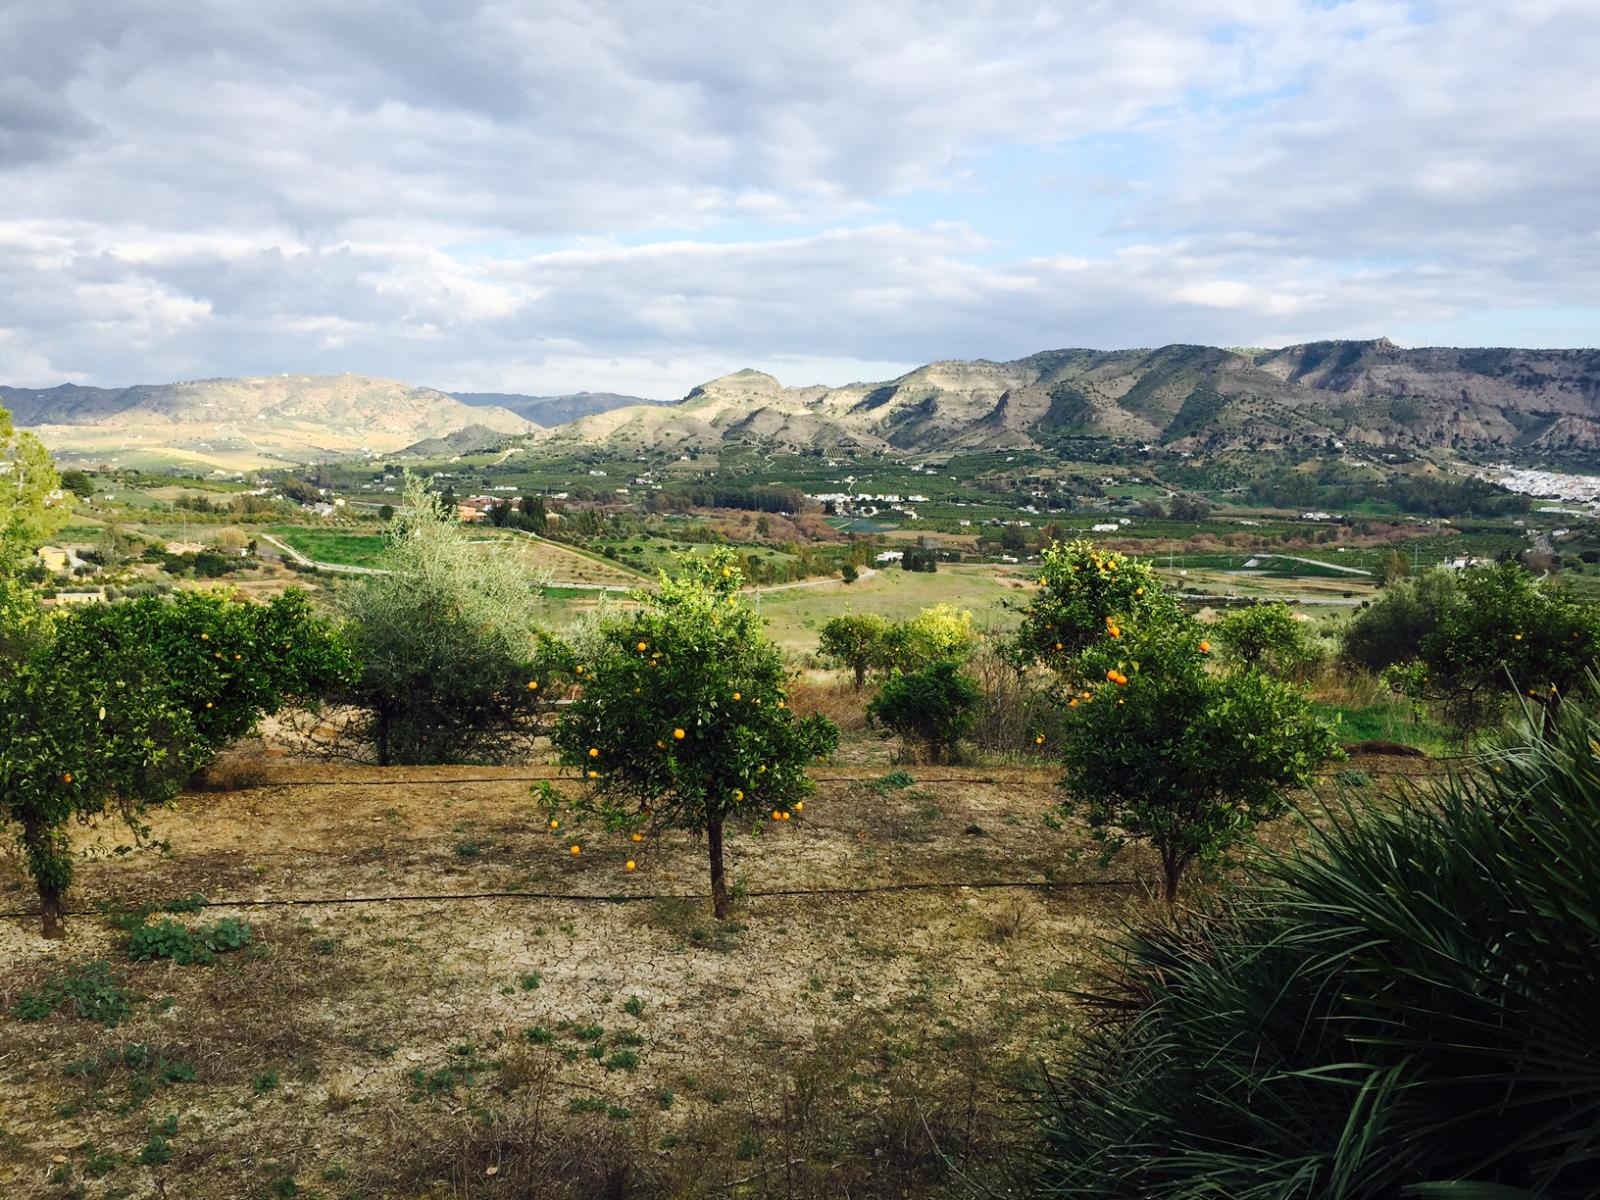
821 1045
831 694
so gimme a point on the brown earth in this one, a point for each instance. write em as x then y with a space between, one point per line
824 1043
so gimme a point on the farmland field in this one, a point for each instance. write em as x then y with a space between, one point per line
332 545
444 1046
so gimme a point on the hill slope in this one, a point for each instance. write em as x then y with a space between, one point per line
554 410
240 423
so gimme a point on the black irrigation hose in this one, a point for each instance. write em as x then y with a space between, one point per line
558 778
981 885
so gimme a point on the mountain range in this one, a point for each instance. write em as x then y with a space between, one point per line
1510 402
1516 402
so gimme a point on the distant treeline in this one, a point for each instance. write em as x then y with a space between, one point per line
1427 495
767 498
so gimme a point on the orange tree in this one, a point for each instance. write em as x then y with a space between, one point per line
1084 592
1166 751
115 706
1499 633
681 721
1161 747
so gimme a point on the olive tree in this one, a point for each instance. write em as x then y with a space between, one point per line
31 506
447 642
681 720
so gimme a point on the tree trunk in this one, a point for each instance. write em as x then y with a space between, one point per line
40 856
51 910
1172 872
719 878
861 675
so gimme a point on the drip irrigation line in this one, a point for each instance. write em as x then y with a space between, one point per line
1032 776
978 885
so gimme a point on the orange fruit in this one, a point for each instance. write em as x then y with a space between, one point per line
533 685
67 778
576 850
678 735
638 837
594 752
776 815
1039 741
737 795
799 806
631 864
594 774
1516 637
784 817
554 824
736 696
643 647
1205 647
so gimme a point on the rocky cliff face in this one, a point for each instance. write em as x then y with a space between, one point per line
1187 397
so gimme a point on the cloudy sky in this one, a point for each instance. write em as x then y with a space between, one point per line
642 194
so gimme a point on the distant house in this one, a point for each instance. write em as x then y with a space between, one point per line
1105 527
889 556
54 558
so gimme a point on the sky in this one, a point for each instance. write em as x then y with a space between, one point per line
642 195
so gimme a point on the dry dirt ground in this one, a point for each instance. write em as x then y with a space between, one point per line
850 1033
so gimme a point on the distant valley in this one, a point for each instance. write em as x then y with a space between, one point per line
1506 403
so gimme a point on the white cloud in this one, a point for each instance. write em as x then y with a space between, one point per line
477 194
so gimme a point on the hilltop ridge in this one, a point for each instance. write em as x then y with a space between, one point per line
1508 402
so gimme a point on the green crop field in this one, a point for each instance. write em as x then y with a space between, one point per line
333 545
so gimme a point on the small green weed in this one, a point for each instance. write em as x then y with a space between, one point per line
633 1006
623 1060
168 939
893 781
91 990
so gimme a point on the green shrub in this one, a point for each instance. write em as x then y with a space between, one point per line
932 707
1406 1009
